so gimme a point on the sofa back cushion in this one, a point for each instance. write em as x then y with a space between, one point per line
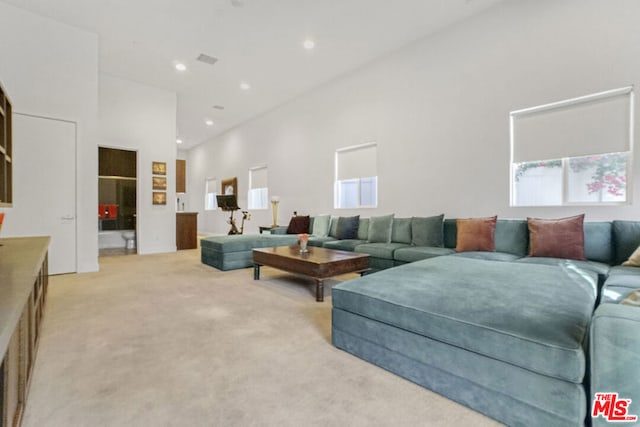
476 234
363 229
427 231
598 242
347 227
333 227
380 229
450 233
321 225
557 238
626 238
401 230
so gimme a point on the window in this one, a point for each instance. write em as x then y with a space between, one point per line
356 177
572 152
258 197
210 202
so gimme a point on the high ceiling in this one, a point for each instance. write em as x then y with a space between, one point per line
255 41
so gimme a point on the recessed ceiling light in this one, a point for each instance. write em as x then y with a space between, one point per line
208 122
309 44
180 66
245 86
178 141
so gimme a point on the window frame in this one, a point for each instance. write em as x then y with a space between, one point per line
337 182
250 197
513 115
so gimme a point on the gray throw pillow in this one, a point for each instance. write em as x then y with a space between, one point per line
427 231
348 227
401 230
380 228
321 225
363 229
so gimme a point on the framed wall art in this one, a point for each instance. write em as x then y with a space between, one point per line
230 186
159 198
159 168
159 183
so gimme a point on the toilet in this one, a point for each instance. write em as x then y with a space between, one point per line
130 239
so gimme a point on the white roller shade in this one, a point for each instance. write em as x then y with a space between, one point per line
357 162
259 177
593 124
211 185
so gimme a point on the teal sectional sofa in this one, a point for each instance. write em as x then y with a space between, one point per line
501 332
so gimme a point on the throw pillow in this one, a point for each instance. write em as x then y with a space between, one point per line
557 238
428 231
321 225
333 227
348 227
476 234
634 259
298 225
363 229
380 229
401 230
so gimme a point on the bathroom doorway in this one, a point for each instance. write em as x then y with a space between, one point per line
117 195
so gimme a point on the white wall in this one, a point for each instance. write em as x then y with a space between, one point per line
51 69
438 110
143 119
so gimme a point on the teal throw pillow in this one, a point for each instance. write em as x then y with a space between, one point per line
401 230
333 227
363 229
380 229
427 231
348 227
321 225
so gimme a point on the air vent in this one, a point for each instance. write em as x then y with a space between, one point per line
218 107
207 59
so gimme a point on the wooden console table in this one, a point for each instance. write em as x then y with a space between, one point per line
23 290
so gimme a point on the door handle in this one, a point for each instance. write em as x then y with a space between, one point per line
68 217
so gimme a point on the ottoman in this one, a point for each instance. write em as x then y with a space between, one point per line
234 252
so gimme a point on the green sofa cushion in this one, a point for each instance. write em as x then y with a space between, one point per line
598 244
418 253
380 229
531 316
333 227
427 231
490 256
380 250
343 245
401 230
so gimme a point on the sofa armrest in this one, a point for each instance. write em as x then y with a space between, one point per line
615 356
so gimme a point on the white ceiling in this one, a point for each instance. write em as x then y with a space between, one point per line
257 41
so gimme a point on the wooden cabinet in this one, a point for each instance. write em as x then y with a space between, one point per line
181 176
186 230
6 150
23 290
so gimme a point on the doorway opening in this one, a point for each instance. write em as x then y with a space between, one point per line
117 189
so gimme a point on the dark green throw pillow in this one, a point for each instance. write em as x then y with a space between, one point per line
348 227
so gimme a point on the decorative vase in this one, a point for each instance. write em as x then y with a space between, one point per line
274 207
303 239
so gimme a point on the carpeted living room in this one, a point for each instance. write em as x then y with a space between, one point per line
357 212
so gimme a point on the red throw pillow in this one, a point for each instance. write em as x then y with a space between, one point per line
298 225
476 234
557 238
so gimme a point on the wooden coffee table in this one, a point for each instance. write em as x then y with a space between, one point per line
317 263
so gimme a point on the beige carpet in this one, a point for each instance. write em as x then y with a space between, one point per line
162 340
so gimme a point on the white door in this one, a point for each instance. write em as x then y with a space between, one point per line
44 186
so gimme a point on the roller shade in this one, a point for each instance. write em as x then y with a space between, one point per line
593 124
258 177
211 185
357 162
